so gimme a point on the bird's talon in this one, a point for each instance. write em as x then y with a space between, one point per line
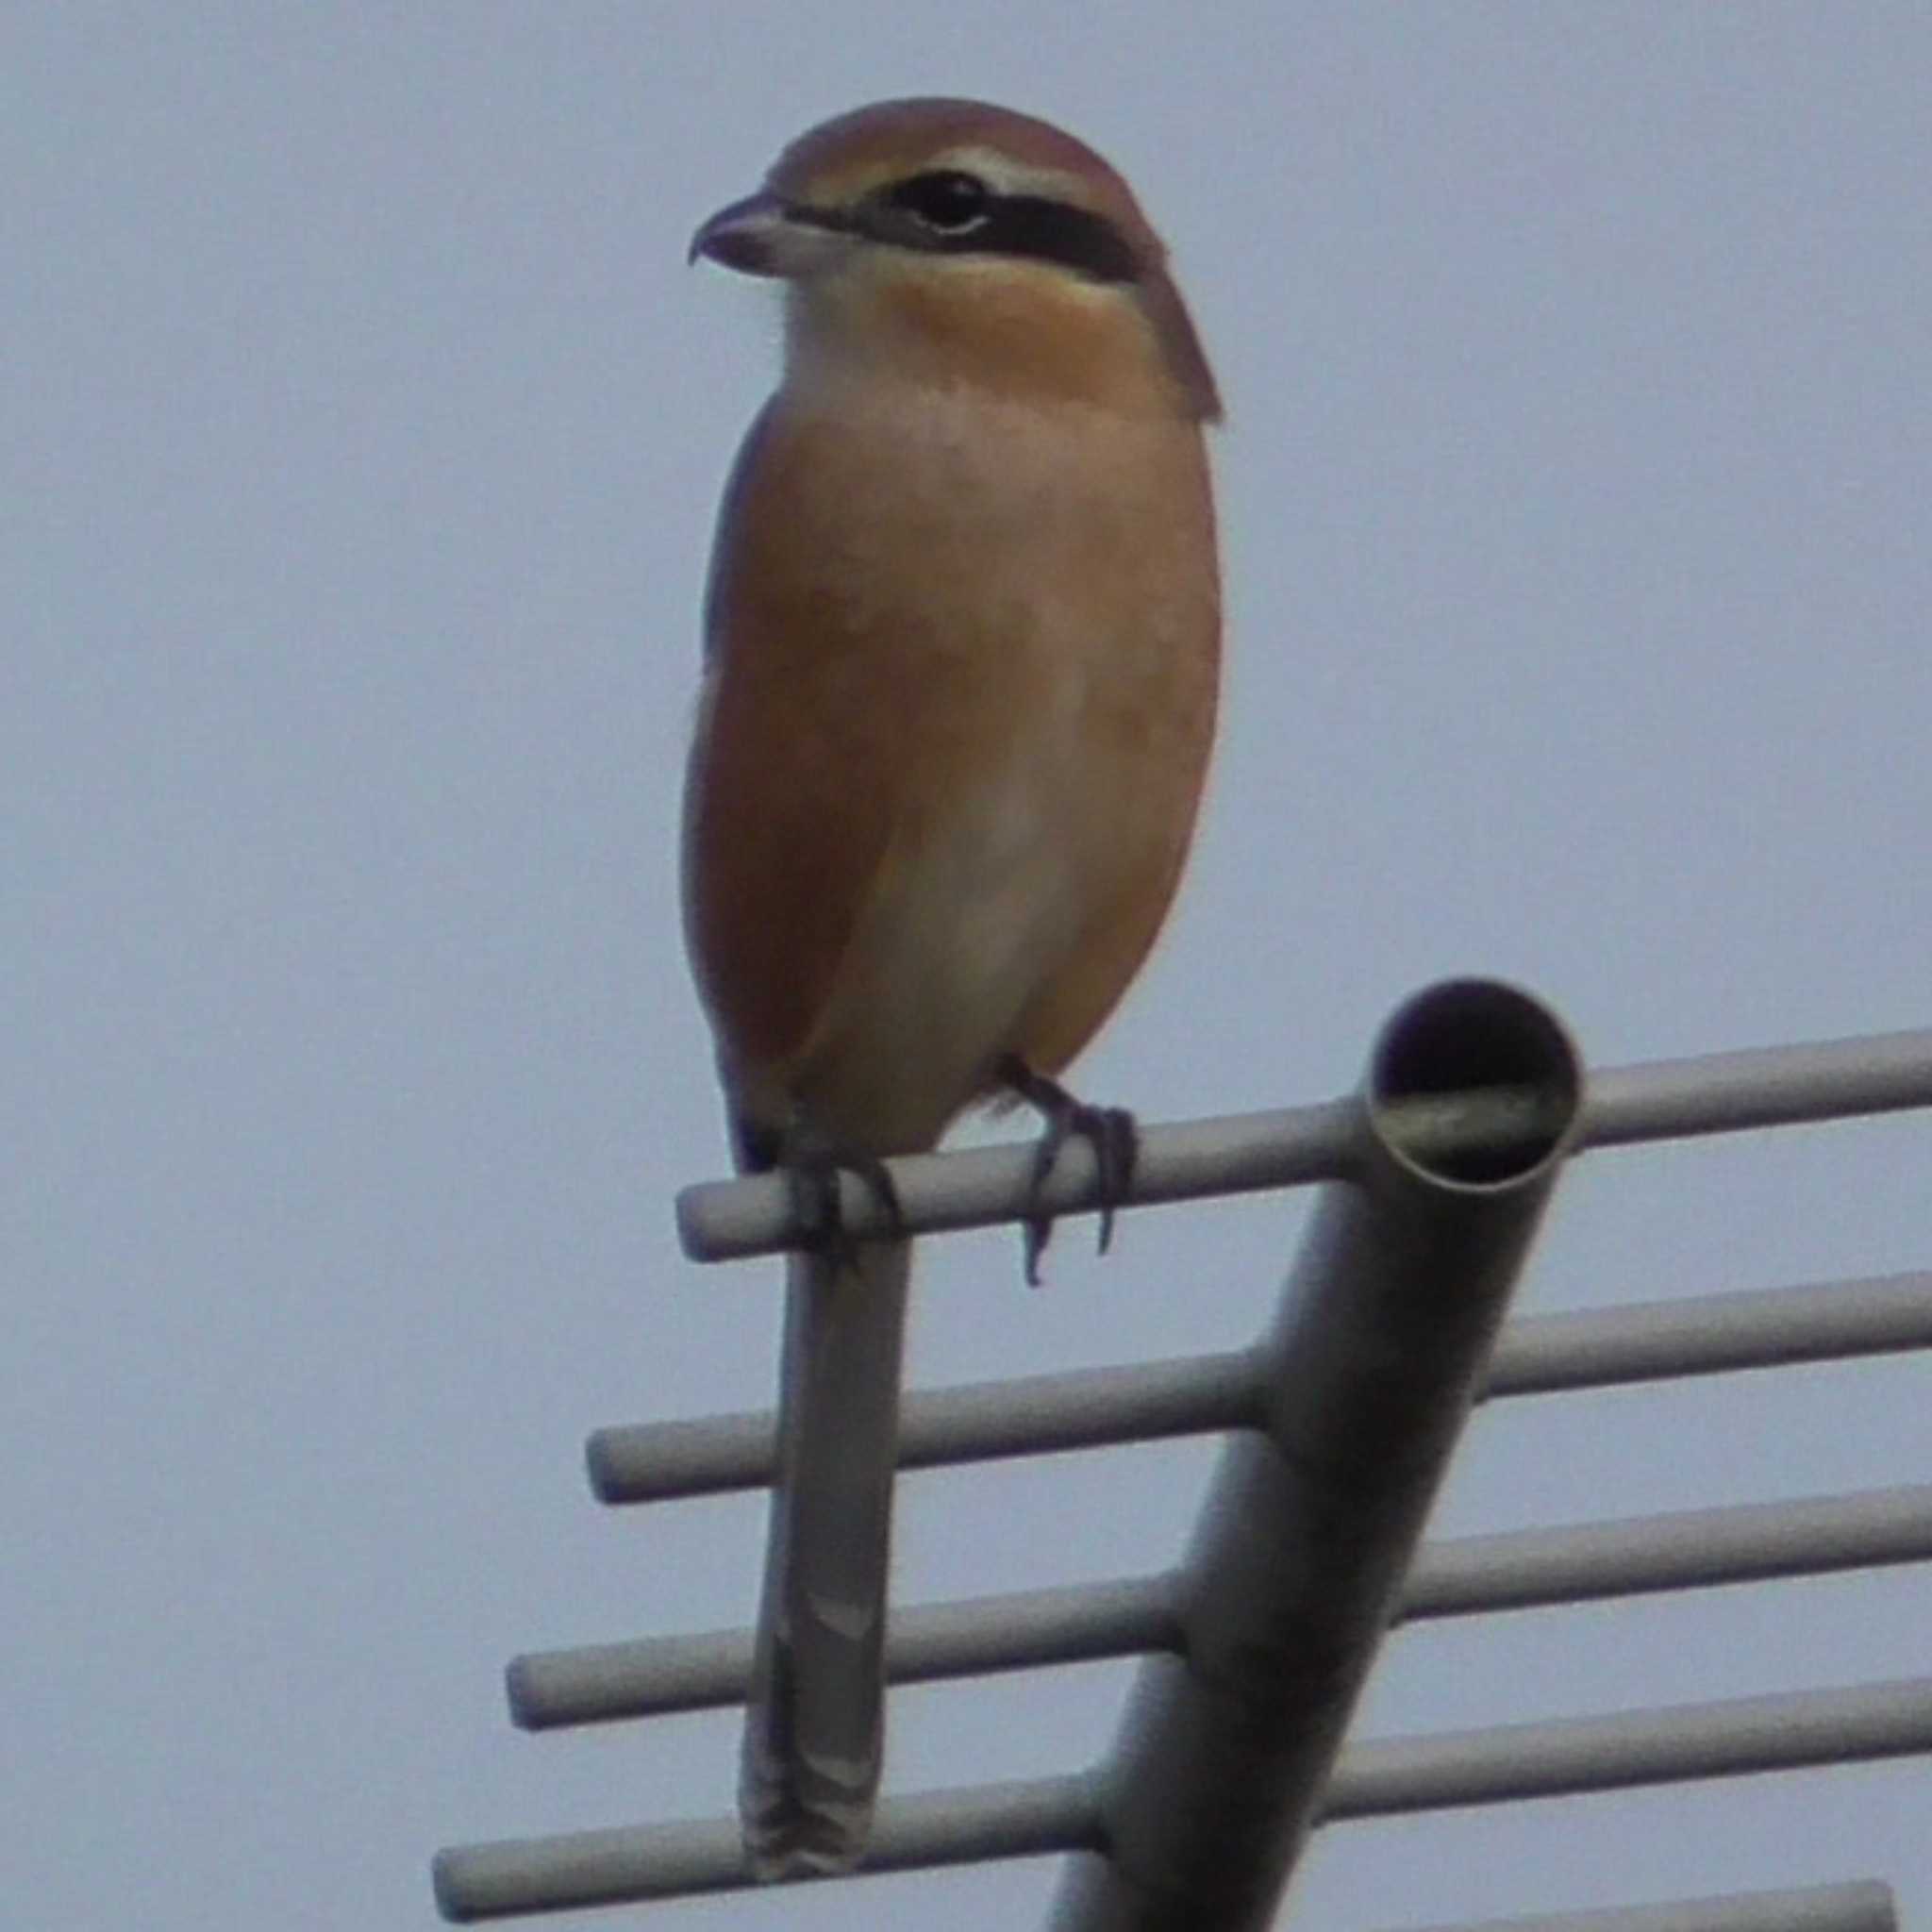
1117 1153
1110 1131
1035 1233
813 1179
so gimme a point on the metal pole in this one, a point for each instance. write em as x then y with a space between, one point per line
631 1865
1379 1348
1187 1160
1866 1908
1089 1408
1078 1623
1727 1739
1559 1757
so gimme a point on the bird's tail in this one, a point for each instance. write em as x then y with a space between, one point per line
814 1731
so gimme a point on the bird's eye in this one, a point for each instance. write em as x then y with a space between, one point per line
947 201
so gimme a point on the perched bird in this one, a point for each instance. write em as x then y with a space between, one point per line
962 647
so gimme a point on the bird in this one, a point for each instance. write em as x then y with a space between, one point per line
961 666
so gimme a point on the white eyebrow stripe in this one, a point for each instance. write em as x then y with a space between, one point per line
1004 176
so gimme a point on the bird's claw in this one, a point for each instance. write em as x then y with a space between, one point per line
1110 1131
813 1177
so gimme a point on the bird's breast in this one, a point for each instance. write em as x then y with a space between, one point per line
964 657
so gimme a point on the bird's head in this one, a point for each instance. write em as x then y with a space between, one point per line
952 241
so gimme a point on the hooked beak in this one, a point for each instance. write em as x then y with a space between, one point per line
764 235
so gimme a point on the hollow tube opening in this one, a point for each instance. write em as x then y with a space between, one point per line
1474 1083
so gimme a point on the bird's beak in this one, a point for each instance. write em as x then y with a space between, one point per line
764 235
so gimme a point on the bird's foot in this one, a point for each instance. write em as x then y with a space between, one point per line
814 1171
1110 1131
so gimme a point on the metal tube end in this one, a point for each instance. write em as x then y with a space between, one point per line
1474 1084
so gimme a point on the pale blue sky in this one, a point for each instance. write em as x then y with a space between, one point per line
363 433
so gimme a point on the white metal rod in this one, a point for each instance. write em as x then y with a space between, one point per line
1861 1907
1082 1408
721 1221
1087 1409
1027 1630
1703 1335
1763 1087
1129 1616
1688 1549
1725 1739
632 1865
1714 1093
1787 1732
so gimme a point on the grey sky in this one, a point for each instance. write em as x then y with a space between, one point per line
363 429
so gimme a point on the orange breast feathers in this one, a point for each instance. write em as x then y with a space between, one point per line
959 698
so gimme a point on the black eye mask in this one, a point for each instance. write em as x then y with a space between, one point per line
950 212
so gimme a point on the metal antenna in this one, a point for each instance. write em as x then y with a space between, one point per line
1339 1423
